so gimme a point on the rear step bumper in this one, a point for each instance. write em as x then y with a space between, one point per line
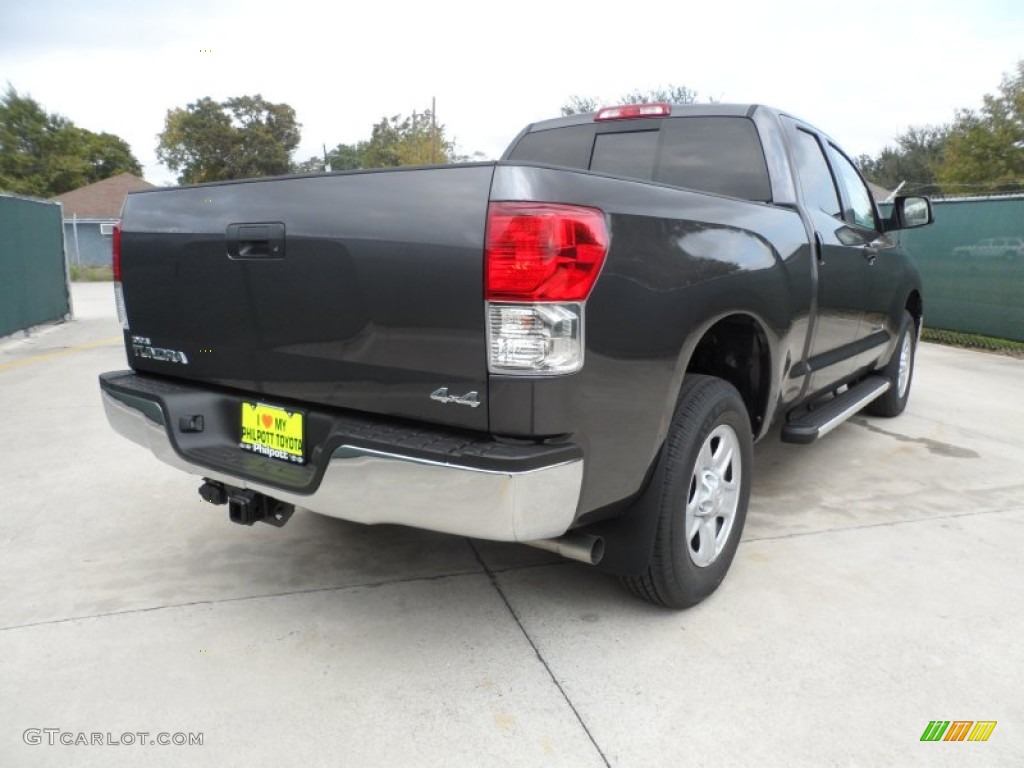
361 468
819 421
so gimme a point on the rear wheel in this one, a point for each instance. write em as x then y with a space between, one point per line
899 372
703 495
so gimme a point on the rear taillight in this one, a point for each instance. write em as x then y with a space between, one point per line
542 260
122 314
117 252
657 109
543 251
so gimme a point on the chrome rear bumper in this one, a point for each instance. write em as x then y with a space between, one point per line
372 486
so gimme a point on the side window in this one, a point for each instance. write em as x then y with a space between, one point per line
567 147
714 154
861 211
815 178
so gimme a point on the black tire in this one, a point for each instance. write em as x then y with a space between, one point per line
673 577
894 400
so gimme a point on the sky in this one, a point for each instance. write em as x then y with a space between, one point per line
862 71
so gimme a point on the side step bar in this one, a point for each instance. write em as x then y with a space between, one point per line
821 420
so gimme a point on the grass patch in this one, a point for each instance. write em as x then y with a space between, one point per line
92 274
974 341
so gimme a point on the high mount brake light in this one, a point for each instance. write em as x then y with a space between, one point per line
657 109
543 251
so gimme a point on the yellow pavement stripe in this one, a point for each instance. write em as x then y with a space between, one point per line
112 341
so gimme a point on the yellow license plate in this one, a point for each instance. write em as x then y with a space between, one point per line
273 432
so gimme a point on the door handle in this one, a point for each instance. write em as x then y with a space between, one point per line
869 253
255 241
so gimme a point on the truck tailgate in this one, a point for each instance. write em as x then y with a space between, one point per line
360 290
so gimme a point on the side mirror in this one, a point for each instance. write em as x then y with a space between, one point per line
910 212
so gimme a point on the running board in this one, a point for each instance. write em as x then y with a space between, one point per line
821 420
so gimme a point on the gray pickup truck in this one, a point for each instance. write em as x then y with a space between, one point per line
574 347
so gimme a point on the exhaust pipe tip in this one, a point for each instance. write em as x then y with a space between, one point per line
581 547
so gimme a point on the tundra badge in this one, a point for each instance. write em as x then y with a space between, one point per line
143 347
442 396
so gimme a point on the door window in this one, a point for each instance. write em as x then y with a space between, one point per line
815 178
860 210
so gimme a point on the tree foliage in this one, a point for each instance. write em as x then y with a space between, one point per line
981 152
45 154
913 162
241 137
347 157
344 157
580 105
673 94
415 140
394 141
985 151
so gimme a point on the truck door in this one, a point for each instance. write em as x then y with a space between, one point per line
880 263
842 277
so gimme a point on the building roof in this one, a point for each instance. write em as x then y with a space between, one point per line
102 200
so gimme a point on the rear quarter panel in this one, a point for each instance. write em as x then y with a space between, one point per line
678 262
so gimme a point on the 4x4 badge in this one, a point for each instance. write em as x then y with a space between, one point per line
442 396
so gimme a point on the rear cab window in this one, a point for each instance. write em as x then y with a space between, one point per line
722 155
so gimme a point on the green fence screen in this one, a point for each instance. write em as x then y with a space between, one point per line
972 266
33 283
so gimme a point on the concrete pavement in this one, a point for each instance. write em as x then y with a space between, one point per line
878 588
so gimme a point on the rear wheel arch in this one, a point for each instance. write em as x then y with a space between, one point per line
735 348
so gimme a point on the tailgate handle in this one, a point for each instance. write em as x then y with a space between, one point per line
256 241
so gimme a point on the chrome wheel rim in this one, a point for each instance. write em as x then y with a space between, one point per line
903 380
713 496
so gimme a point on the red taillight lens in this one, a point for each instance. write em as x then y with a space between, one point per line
117 252
543 251
657 109
122 313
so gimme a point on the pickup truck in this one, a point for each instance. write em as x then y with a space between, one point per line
574 347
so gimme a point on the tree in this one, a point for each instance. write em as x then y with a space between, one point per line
347 157
394 141
415 146
579 105
398 140
912 162
110 155
673 94
985 151
315 164
46 154
242 137
344 157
